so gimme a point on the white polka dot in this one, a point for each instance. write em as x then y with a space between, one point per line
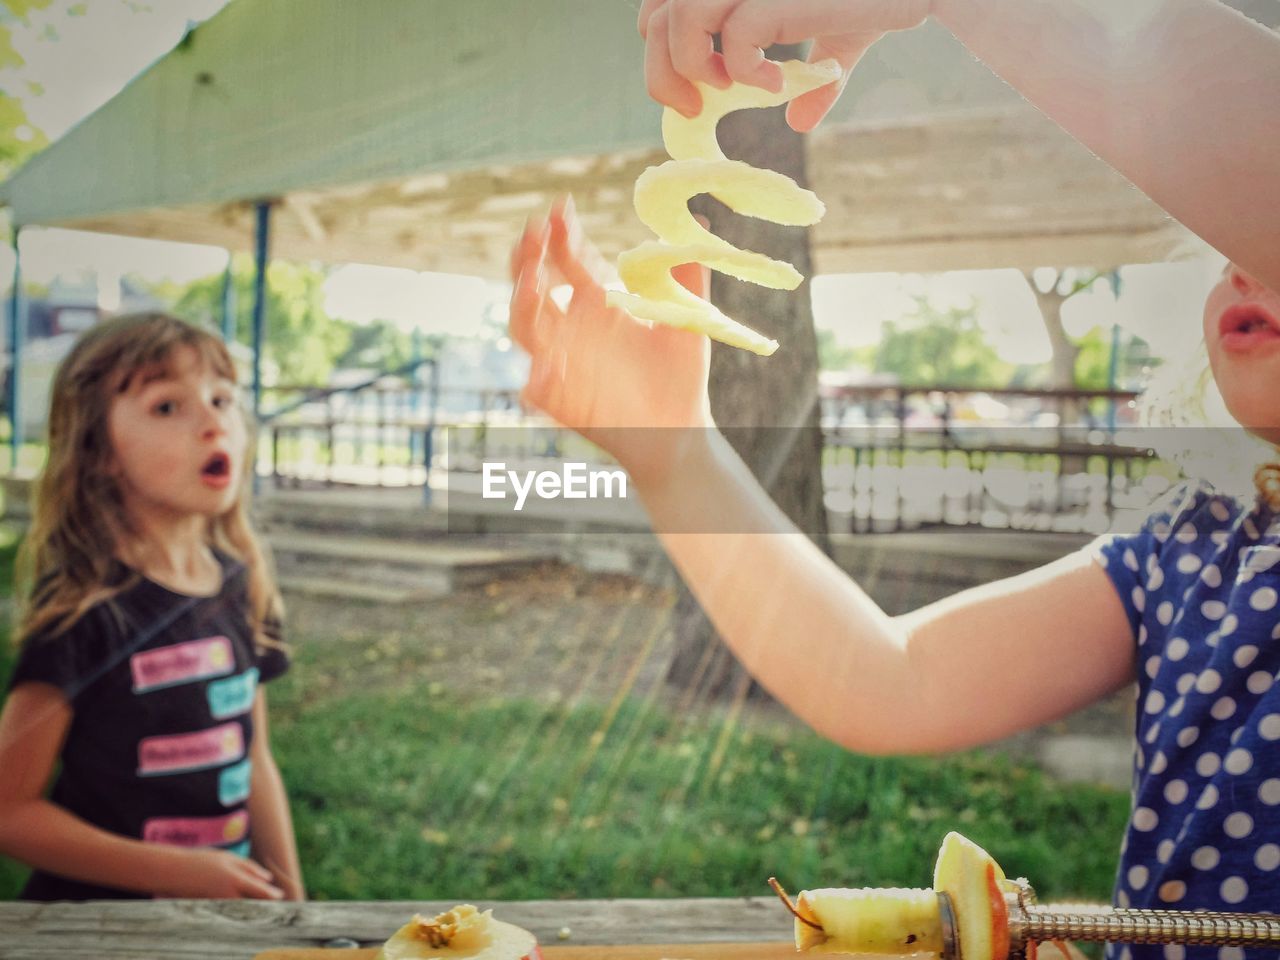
1236 734
1138 877
1238 761
1186 681
1209 681
1145 819
1264 598
1164 851
1186 533
1178 706
1244 655
1152 667
1142 634
1220 538
1122 900
1230 953
1176 649
1212 609
1234 890
1269 727
1238 826
1155 702
1173 891
1267 857
1259 682
1175 791
1189 563
1208 799
1187 736
1229 624
1269 792
1164 613
1219 511
1206 858
1223 708
1131 561
1153 732
1211 575
1275 631
1208 763
1139 599
1250 528
1156 580
1244 576
1175 951
1159 763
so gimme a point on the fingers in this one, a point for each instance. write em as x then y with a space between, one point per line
572 255
807 111
747 31
690 32
662 80
646 11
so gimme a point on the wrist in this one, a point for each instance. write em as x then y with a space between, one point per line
692 458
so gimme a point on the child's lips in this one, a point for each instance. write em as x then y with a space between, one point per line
1244 327
216 472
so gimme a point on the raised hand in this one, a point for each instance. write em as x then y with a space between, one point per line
679 49
638 392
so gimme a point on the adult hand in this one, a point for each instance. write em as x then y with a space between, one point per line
208 874
679 49
637 391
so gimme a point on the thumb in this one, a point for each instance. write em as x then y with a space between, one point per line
806 111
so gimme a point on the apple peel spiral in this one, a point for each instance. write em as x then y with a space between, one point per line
698 166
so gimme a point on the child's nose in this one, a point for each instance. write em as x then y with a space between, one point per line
212 424
1243 281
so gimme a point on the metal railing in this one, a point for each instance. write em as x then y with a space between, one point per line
895 457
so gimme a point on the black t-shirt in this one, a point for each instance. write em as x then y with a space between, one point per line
161 686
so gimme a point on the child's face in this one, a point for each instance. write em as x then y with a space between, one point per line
1242 333
178 440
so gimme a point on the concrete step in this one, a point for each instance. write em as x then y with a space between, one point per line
416 566
337 588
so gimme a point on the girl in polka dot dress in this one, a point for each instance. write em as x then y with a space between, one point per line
1178 95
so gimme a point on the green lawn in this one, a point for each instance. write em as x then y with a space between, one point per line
409 781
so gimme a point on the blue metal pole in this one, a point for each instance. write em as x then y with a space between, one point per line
262 241
229 302
15 358
1113 363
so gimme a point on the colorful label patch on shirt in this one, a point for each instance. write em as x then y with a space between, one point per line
240 849
234 695
197 831
181 663
184 752
233 783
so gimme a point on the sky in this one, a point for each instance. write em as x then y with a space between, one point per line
95 55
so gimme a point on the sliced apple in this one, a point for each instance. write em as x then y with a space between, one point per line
975 883
890 922
463 933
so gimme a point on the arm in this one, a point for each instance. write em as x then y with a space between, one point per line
967 670
1177 95
274 844
976 667
33 725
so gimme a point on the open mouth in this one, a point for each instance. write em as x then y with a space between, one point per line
217 466
1246 325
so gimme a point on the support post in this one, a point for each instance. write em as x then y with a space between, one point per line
15 357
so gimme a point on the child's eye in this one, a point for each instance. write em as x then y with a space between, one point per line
224 401
165 408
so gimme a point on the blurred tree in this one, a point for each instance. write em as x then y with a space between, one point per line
300 339
1053 288
19 138
943 348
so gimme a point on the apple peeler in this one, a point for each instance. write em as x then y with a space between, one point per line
1030 923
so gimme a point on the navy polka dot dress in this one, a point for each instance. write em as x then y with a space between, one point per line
1201 584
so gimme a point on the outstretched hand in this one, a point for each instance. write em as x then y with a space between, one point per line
636 391
679 49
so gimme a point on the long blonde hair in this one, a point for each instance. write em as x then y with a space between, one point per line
68 562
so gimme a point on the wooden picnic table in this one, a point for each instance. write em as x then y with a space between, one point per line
243 929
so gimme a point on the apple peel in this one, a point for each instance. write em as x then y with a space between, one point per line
463 933
698 166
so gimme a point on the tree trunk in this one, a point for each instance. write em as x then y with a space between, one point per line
766 406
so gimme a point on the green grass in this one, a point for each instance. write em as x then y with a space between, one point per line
407 789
